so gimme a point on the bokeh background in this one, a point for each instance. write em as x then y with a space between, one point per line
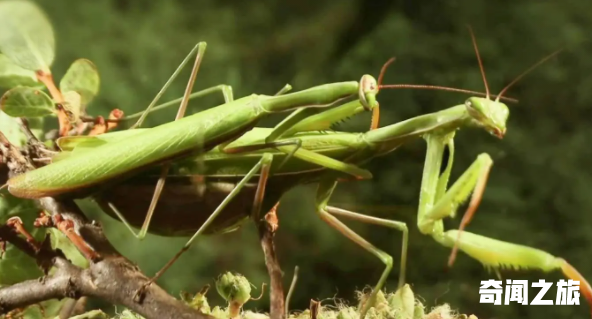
539 189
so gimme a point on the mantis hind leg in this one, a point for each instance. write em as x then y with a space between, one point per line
199 51
228 97
263 167
490 252
226 90
328 213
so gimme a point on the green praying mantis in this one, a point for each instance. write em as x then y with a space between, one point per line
238 186
186 136
77 176
321 158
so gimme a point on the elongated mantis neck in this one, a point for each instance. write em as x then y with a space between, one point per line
388 138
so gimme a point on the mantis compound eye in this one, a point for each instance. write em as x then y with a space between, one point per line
367 92
468 104
363 99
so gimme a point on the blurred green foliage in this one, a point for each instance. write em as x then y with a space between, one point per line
538 192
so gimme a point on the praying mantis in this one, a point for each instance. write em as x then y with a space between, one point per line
76 176
193 134
320 158
230 197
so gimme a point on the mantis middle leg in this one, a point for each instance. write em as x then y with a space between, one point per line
198 51
328 214
262 167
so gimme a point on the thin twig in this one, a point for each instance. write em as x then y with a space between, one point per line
27 131
267 229
291 291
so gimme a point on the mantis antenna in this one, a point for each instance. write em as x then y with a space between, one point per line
478 193
443 88
480 62
376 111
541 61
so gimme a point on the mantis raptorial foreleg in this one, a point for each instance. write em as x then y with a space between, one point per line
328 213
437 203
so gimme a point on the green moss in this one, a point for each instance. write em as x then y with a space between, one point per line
401 304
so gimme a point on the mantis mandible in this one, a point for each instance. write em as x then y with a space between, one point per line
225 178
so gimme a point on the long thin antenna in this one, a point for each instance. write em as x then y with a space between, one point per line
376 111
442 88
541 61
383 70
479 60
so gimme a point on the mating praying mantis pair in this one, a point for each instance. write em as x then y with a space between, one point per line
247 169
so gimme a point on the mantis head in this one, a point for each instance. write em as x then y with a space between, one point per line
368 91
491 115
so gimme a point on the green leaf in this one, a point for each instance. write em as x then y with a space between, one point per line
83 78
12 75
36 125
61 242
12 130
93 314
403 302
72 106
46 309
17 266
26 102
27 37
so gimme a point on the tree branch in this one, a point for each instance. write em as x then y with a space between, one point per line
110 276
113 278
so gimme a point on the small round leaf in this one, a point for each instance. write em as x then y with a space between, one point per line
83 78
26 102
72 106
12 75
27 37
12 130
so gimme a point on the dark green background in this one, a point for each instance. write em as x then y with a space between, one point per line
539 189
